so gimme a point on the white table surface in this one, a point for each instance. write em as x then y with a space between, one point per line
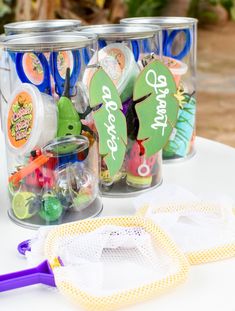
208 287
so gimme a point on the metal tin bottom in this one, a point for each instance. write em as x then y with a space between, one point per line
178 159
122 190
93 210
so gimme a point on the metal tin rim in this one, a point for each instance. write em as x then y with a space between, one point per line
123 195
46 41
95 212
165 22
180 159
119 31
41 25
4 38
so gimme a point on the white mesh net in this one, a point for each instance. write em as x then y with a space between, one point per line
96 261
195 224
36 255
110 262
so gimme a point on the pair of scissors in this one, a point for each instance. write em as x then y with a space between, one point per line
167 44
168 41
48 68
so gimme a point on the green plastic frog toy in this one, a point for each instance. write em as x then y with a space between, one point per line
51 208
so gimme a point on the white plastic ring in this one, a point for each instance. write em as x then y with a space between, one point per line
143 170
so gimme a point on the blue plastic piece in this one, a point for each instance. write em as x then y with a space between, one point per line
59 81
63 160
168 41
86 56
45 86
12 55
101 43
135 49
146 47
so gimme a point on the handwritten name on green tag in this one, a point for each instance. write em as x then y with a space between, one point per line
158 111
109 120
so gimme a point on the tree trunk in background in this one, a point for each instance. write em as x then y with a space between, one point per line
176 8
117 10
86 10
45 9
23 10
93 11
39 9
89 11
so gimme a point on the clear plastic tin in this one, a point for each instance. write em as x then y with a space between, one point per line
122 52
179 43
27 27
49 130
42 26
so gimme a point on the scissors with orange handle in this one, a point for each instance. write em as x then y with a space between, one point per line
29 169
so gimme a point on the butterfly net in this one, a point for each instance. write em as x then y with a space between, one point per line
108 263
205 231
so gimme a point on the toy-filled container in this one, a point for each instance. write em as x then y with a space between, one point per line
27 27
179 43
49 131
123 50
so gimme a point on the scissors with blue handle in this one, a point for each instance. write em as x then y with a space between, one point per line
59 81
45 85
49 68
168 41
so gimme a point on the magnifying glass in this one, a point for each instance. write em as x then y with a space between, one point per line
59 147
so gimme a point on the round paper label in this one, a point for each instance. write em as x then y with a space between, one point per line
64 61
118 55
33 68
20 119
113 62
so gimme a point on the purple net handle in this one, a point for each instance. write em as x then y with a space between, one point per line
41 274
24 247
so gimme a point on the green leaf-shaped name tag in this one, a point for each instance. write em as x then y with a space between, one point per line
109 120
158 110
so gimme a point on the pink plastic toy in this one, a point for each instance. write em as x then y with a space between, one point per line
139 168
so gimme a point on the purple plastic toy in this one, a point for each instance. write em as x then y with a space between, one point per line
42 274
24 247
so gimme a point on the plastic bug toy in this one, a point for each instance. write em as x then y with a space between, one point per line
47 205
42 176
69 122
